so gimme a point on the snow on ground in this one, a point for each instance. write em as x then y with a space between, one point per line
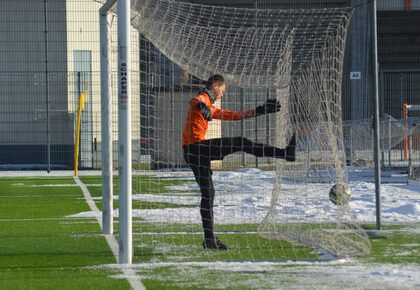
337 274
244 195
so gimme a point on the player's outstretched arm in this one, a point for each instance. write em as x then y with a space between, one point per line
270 106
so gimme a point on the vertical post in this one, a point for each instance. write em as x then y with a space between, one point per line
79 93
256 130
402 106
389 143
376 115
47 96
267 125
242 124
351 146
407 139
78 126
410 164
381 114
256 98
405 107
124 130
172 108
106 124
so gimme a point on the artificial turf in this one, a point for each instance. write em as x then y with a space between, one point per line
41 247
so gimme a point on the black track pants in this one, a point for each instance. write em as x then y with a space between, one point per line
198 156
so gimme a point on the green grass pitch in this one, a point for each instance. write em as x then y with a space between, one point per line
41 247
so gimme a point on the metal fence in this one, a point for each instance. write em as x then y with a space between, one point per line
49 53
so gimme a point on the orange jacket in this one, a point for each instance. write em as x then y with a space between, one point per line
196 125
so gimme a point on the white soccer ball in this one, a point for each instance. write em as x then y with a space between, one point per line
340 194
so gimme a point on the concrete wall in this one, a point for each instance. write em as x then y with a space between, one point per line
23 89
27 56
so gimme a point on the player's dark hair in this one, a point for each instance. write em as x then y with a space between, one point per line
219 79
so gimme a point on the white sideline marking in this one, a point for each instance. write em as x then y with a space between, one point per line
37 219
128 272
195 233
231 264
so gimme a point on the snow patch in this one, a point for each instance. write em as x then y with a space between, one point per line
244 196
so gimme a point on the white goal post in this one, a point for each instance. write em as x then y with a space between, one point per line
124 128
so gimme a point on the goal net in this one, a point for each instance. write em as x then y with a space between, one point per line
358 140
294 56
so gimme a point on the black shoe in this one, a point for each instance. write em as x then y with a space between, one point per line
291 149
214 245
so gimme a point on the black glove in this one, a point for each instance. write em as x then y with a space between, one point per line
205 111
270 106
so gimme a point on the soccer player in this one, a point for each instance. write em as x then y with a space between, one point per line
199 151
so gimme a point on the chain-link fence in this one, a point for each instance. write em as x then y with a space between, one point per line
49 54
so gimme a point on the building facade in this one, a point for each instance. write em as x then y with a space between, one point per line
49 54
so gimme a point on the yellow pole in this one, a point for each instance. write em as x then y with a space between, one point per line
76 145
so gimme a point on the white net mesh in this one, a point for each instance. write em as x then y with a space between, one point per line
205 45
297 56
358 140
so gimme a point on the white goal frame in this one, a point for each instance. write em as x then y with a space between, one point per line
124 128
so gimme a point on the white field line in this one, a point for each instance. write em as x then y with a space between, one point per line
38 219
43 173
133 279
230 264
196 233
70 173
36 196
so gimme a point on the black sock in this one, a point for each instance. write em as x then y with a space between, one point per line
291 149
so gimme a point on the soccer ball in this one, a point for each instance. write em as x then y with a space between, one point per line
340 194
